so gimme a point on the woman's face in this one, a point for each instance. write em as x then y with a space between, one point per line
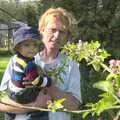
54 36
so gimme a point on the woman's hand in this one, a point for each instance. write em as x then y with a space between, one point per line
70 103
41 100
27 82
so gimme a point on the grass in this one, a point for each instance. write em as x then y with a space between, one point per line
4 59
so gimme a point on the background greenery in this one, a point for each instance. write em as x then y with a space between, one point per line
4 58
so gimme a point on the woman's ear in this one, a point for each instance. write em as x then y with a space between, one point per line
42 31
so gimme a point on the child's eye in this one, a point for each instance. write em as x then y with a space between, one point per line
36 45
26 45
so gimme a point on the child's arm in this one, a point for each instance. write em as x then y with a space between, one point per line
42 81
6 82
15 85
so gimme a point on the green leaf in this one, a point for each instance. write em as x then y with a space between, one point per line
85 114
56 104
106 102
105 86
118 81
110 76
96 66
3 94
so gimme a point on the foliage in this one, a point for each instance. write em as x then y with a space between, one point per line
90 52
11 11
55 105
4 58
110 86
31 15
24 12
3 94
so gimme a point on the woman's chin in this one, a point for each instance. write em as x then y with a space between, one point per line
53 46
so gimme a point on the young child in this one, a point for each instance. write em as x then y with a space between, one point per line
23 66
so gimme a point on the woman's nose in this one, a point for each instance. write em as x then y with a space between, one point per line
56 34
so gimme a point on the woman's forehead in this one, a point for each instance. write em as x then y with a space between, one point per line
52 18
56 21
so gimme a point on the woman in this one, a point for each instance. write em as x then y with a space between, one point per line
57 26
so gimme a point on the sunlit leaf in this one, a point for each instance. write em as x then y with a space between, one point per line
104 85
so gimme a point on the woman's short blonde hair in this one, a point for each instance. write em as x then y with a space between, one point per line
67 19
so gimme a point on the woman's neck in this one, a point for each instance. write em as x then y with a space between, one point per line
49 55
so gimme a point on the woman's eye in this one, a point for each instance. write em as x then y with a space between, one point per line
51 30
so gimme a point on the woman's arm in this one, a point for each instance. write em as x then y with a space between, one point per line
8 105
72 91
70 103
11 106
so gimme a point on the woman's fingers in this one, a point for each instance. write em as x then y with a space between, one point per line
28 84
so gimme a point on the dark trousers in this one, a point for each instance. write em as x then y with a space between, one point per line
9 116
37 115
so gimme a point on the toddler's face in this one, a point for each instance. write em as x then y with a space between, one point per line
28 48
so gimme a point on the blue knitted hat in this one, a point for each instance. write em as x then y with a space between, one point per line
25 33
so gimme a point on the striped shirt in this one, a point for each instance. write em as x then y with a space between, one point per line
22 67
